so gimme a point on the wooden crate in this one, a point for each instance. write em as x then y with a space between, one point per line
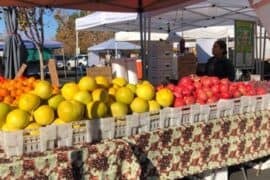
100 71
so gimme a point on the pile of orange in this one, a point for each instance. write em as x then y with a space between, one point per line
12 89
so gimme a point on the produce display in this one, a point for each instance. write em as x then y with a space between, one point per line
37 103
207 90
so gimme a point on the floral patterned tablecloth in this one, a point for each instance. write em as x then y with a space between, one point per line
164 154
190 149
105 160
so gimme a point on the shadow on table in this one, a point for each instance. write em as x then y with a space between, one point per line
149 171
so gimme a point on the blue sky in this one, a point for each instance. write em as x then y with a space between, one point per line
50 25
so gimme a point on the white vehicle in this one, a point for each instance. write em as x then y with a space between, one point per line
81 61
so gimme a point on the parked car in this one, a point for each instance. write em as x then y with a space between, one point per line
82 61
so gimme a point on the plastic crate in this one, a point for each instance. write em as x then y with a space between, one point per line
103 128
224 108
204 112
246 104
120 127
170 117
24 141
76 132
212 111
259 101
190 114
133 125
149 121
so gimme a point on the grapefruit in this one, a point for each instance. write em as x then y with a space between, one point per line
69 111
153 106
29 102
119 109
87 83
139 105
145 91
17 119
69 90
102 81
100 95
4 110
165 97
96 109
83 97
43 89
124 95
54 101
44 115
119 81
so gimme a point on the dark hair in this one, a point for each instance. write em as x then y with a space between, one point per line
222 45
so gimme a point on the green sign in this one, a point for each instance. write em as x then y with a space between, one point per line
244 44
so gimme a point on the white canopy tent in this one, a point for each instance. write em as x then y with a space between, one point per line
204 14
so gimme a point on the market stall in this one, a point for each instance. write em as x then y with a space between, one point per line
101 129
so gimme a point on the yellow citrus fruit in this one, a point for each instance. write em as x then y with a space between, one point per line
69 111
132 87
153 106
6 127
100 95
145 91
54 101
69 90
164 97
96 109
124 95
58 121
29 102
43 89
83 97
87 83
17 119
118 109
33 128
102 81
120 81
44 115
4 110
139 105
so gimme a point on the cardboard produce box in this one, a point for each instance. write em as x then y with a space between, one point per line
100 71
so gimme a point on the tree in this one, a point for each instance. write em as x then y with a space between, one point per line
66 33
31 23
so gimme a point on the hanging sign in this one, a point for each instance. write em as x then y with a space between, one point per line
244 44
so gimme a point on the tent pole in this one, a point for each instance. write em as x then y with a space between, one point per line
64 59
140 11
263 53
76 54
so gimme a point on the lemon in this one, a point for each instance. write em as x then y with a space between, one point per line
87 83
112 91
54 101
120 81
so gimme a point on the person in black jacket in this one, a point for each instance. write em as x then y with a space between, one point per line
219 65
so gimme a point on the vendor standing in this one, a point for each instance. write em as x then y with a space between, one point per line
219 65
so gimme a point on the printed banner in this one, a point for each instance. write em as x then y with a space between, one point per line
244 44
